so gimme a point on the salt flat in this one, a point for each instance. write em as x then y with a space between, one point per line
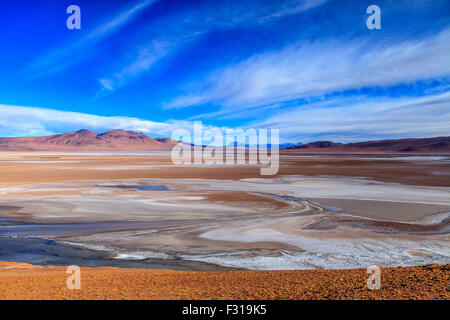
230 216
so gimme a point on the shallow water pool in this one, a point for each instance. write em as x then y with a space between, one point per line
154 188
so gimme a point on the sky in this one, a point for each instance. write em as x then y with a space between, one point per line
310 68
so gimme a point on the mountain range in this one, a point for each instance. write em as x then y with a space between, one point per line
411 145
86 140
121 140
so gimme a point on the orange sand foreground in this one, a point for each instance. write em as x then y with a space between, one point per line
24 281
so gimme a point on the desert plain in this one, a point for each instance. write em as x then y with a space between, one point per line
322 217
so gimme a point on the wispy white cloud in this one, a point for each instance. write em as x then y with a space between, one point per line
26 121
237 13
35 121
118 21
294 7
310 69
58 59
191 25
360 119
347 119
145 59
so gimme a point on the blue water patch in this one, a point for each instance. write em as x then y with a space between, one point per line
154 188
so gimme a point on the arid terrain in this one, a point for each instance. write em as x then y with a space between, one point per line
320 212
86 140
22 281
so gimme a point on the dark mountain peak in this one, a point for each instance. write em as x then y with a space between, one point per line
86 132
323 144
115 132
165 140
121 133
316 144
409 145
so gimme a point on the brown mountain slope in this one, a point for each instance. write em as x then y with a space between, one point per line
412 145
121 140
85 140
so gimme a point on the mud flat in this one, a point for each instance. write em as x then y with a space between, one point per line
390 210
45 252
35 167
231 217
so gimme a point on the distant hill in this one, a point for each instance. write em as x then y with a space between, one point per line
121 140
288 145
411 145
86 140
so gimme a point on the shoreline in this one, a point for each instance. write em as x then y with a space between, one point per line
47 253
251 224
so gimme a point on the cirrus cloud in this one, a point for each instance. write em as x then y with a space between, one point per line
308 69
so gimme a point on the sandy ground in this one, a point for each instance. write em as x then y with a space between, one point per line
23 281
27 168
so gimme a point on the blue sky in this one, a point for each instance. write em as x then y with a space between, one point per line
310 68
